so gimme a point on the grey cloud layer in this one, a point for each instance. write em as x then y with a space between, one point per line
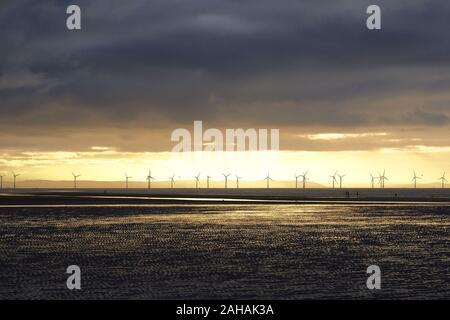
306 64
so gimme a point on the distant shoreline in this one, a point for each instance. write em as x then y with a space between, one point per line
222 196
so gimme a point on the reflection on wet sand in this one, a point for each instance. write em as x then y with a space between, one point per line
225 251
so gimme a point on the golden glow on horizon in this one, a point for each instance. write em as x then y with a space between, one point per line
106 164
336 136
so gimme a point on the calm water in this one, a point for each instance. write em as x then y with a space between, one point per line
225 251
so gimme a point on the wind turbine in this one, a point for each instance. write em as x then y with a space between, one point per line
149 179
296 180
237 181
268 178
382 178
415 180
443 180
304 179
172 181
75 177
197 181
226 179
334 178
207 181
126 180
1 182
15 175
373 180
340 180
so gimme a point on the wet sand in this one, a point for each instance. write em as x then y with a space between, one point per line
197 251
213 196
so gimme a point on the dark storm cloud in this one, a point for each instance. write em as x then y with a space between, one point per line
230 63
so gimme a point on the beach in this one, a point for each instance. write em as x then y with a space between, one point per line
214 195
197 249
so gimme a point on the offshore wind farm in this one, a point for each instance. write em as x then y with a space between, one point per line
207 190
298 181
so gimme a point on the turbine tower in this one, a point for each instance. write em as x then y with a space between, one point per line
373 180
268 179
304 179
340 180
149 179
197 180
1 182
334 179
172 181
296 180
207 181
15 175
443 180
226 179
415 180
237 181
75 177
382 178
127 177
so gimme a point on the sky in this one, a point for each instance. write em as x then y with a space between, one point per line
105 99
